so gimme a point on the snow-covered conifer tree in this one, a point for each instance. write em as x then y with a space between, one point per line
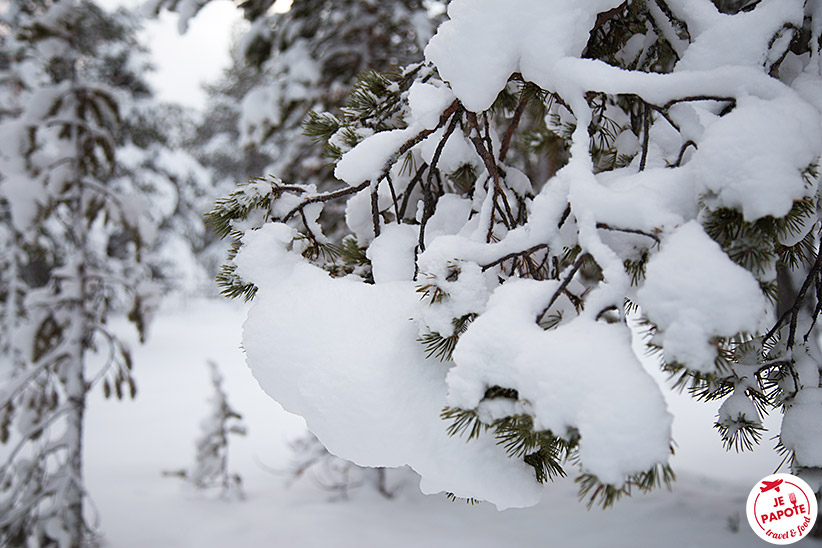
474 323
210 469
73 244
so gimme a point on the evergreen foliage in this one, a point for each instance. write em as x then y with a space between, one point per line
521 140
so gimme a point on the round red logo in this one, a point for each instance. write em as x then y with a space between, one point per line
781 509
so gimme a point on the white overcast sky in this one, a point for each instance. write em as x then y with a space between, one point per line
184 62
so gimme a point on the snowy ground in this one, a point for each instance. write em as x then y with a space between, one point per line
129 444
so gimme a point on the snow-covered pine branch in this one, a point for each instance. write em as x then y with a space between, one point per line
551 168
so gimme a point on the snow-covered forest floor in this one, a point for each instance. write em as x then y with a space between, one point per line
130 444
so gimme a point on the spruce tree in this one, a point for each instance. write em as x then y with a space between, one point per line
73 253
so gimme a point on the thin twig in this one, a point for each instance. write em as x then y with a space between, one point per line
514 254
512 127
604 226
682 151
491 166
394 198
428 197
407 193
570 276
793 311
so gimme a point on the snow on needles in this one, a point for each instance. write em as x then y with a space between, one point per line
367 160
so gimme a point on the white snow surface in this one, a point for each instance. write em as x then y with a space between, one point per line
739 39
367 160
392 254
138 507
427 102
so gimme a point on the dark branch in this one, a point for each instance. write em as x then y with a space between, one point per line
428 197
682 151
562 286
646 135
512 127
514 254
691 98
407 194
408 145
375 210
604 226
793 311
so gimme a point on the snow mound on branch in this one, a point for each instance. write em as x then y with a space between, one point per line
567 380
365 389
694 292
367 160
650 200
752 158
392 254
740 39
485 41
427 103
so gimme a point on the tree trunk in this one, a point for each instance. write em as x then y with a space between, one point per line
75 491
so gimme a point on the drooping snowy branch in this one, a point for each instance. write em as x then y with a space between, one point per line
568 164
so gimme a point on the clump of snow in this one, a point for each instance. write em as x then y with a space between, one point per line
451 216
739 39
752 158
485 41
427 102
738 407
569 382
367 160
464 288
392 254
653 201
367 379
694 292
